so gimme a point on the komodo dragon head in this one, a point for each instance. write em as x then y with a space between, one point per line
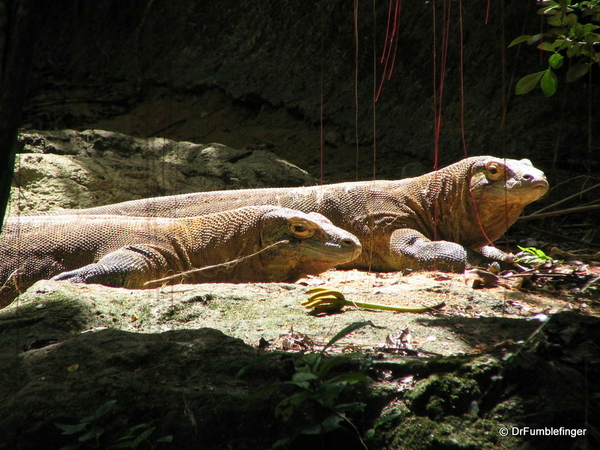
314 244
498 191
511 180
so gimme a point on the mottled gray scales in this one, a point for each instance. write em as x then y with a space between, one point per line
445 219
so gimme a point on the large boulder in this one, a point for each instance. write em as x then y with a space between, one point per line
72 169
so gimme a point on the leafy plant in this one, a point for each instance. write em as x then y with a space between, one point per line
139 434
90 432
571 34
88 428
316 406
533 255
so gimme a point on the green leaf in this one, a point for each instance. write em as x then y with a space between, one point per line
574 50
346 331
549 83
142 437
592 38
93 434
309 363
330 363
285 408
571 20
334 387
529 82
331 423
354 406
535 38
576 71
535 252
546 46
556 61
520 39
548 10
103 409
555 21
71 429
304 376
328 424
283 442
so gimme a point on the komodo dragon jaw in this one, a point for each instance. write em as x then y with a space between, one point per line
499 191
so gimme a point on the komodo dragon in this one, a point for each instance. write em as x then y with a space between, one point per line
445 220
128 251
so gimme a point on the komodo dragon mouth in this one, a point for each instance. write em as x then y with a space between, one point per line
342 252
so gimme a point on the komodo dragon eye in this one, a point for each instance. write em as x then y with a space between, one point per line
495 170
301 229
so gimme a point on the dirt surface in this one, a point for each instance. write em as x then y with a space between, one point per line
471 320
161 357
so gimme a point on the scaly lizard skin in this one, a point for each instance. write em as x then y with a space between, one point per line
128 251
445 220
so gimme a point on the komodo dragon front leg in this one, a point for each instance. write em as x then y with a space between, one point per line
413 250
129 267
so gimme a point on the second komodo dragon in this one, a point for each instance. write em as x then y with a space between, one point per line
443 220
128 251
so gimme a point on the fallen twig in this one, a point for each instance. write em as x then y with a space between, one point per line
215 266
565 199
561 212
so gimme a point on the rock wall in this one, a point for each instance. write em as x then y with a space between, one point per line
301 56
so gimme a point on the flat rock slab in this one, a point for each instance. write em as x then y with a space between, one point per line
472 320
169 357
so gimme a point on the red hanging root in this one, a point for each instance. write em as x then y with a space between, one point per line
390 46
462 80
439 92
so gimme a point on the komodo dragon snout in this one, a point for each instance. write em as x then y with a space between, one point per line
240 245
